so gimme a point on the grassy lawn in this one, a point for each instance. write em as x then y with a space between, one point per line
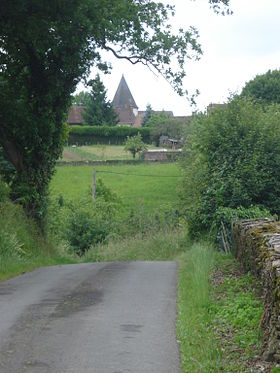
152 185
97 152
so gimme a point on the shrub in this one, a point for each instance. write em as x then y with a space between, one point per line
231 159
102 191
85 222
87 226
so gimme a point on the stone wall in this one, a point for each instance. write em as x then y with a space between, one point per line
160 155
257 246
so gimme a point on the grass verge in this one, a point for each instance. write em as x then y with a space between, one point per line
199 350
219 313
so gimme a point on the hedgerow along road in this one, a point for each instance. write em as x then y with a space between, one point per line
100 317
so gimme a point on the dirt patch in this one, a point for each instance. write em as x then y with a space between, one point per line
69 156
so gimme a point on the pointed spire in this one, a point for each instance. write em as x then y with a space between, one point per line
123 97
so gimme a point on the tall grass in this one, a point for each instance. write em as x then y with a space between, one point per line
22 247
154 245
199 349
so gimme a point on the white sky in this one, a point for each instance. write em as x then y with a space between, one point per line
235 49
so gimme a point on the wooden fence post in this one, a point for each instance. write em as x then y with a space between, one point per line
93 184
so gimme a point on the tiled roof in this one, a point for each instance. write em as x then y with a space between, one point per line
75 115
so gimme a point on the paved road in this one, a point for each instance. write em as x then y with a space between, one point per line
98 318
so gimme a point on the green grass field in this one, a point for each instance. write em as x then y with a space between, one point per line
152 185
97 152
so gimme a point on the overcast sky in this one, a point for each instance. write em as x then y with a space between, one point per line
235 49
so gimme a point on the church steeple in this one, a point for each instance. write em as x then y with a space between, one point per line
124 103
123 96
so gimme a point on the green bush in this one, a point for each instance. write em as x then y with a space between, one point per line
85 222
115 135
231 159
135 144
264 88
88 225
104 192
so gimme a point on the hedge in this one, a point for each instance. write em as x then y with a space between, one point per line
87 135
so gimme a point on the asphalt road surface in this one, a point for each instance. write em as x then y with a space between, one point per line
100 318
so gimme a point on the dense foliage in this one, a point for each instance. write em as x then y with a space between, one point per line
264 88
232 159
46 48
22 247
80 99
98 110
86 135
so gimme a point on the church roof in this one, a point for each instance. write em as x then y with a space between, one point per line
123 97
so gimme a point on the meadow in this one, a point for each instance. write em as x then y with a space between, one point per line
150 185
97 153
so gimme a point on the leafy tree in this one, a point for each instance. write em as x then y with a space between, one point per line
163 124
264 88
98 110
46 48
81 99
147 116
231 159
135 145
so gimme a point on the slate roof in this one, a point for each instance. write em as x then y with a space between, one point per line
123 97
